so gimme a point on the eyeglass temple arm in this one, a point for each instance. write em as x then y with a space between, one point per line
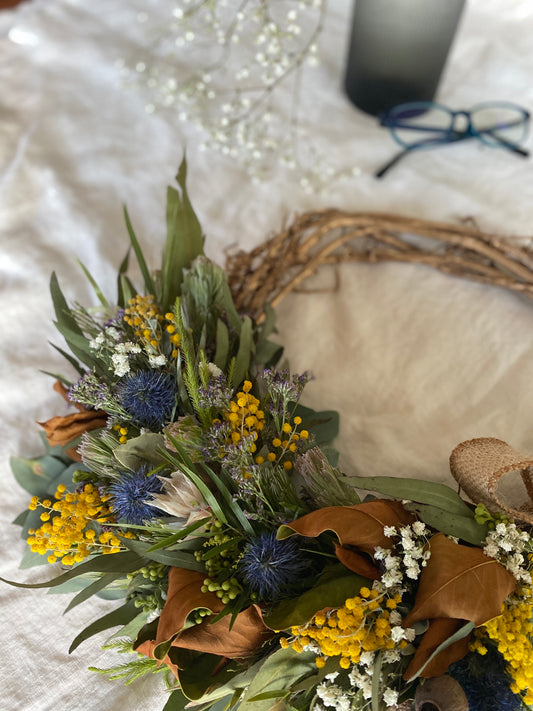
508 144
391 163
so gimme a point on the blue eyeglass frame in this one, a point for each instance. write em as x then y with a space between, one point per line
391 120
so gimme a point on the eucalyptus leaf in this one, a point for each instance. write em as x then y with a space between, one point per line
424 492
95 587
125 562
74 363
176 558
281 670
122 616
323 424
142 448
331 592
463 527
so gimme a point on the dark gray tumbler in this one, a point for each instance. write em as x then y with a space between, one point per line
398 49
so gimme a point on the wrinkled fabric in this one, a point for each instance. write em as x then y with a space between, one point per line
415 361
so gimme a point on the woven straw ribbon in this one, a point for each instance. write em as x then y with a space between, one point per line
480 465
327 238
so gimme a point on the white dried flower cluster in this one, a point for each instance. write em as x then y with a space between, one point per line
244 91
361 677
333 696
121 357
511 547
405 561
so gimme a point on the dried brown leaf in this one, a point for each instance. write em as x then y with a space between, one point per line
439 631
359 525
460 582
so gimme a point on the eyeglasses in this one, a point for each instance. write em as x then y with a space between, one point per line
423 124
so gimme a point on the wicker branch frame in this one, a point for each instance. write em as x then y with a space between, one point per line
315 239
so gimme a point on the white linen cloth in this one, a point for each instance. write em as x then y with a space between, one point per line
415 361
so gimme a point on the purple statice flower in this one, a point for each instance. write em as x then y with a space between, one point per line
130 496
272 568
148 397
217 394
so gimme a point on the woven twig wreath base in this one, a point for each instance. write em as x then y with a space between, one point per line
329 237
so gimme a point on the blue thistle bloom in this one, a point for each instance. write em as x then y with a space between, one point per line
130 496
148 396
271 567
485 682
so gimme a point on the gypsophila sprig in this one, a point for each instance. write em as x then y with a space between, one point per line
189 483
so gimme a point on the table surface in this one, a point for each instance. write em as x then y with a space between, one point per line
415 361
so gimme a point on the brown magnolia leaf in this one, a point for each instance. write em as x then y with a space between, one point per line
147 648
460 582
359 525
61 430
184 595
439 631
357 562
246 634
62 389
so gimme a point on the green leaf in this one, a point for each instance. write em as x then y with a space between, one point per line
222 349
464 527
324 424
148 281
330 593
376 678
176 558
462 632
143 447
127 289
177 701
94 285
280 671
62 310
74 363
276 694
125 562
92 589
242 359
175 537
196 670
184 242
116 618
423 492
121 300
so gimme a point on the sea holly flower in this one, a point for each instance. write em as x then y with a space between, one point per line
271 567
130 496
148 397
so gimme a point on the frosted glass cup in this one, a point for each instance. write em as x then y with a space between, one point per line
398 49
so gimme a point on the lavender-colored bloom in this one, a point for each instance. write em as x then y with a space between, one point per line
130 496
148 397
271 567
217 394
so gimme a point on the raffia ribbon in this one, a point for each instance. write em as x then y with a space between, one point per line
479 465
